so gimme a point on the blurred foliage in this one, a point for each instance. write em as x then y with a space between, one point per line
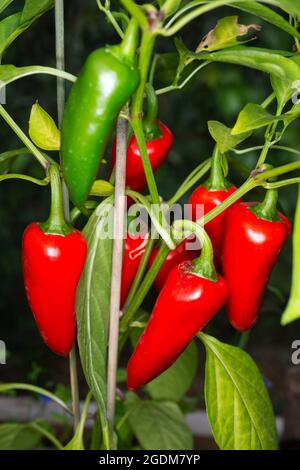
217 93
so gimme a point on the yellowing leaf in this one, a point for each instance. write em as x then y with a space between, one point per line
42 129
225 34
102 188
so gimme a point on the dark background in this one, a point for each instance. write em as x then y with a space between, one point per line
218 92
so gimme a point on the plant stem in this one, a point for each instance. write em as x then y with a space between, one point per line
111 18
190 181
23 137
8 387
119 231
74 387
244 338
60 56
169 88
18 176
136 11
46 434
137 111
140 273
281 184
193 15
60 64
204 264
56 222
144 288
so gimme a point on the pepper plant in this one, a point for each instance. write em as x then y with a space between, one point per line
117 93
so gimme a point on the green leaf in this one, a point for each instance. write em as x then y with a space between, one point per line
4 4
33 9
222 135
43 130
8 28
18 437
237 402
290 6
176 381
93 302
268 15
102 188
14 25
259 59
225 34
253 116
285 89
159 425
7 159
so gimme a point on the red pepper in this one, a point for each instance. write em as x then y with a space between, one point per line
182 252
159 140
255 234
134 249
210 195
53 256
192 295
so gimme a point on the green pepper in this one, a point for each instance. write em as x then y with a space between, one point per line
107 80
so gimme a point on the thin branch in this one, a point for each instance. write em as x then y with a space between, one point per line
119 216
60 64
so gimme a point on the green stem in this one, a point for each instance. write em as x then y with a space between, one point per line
234 197
193 15
217 180
74 387
190 181
268 208
157 217
173 87
47 434
8 387
140 273
144 289
269 100
56 222
281 184
152 105
111 18
136 11
280 170
129 42
23 137
151 127
137 109
89 206
179 13
204 265
244 338
18 176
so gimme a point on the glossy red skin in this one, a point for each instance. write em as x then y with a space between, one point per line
185 305
52 265
181 253
157 149
250 250
134 249
211 199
